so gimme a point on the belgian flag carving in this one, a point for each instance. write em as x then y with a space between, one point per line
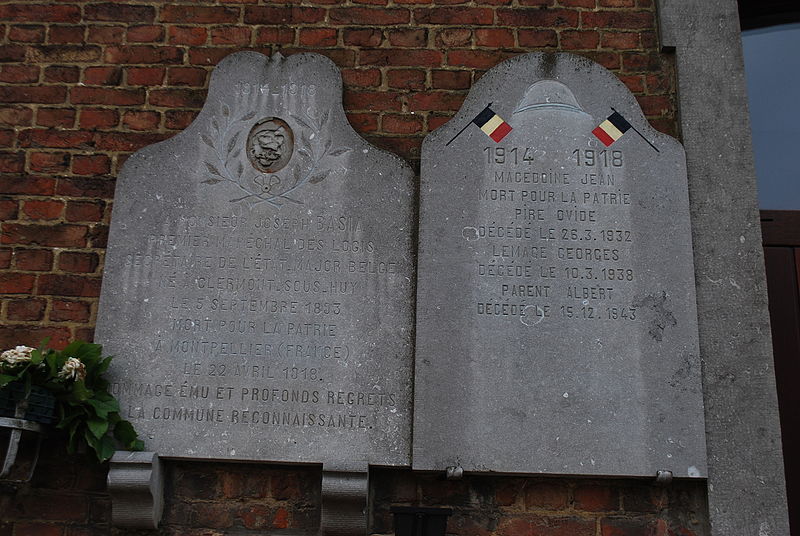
612 129
492 124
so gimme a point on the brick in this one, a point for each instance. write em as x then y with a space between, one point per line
402 124
136 120
12 53
73 139
361 77
207 55
617 19
28 309
580 39
38 260
91 164
69 285
231 35
125 141
547 18
27 185
5 258
192 14
10 336
494 37
12 163
16 115
84 211
143 54
110 96
453 37
56 117
362 37
277 36
102 76
33 94
655 105
619 40
187 35
40 13
477 59
411 57
363 122
435 101
635 83
43 209
283 15
628 527
49 162
119 12
94 118
659 83
609 60
179 119
595 498
62 73
369 15
177 98
16 283
187 76
37 529
339 56
371 101
146 33
78 261
454 15
566 526
318 37
7 137
590 4
408 37
66 34
542 3
106 35
406 78
27 33
9 209
70 311
60 235
19 74
64 53
638 62
145 76
545 495
441 79
85 187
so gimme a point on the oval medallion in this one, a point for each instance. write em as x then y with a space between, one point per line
270 144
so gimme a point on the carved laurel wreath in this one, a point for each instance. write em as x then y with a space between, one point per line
258 187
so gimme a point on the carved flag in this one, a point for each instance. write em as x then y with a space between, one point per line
492 124
612 129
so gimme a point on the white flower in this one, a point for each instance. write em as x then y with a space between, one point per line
16 356
73 369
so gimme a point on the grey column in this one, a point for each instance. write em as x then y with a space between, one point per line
746 488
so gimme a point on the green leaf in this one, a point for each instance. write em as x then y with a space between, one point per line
5 379
36 357
103 408
80 392
98 427
125 433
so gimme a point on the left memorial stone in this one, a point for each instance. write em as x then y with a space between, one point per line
257 291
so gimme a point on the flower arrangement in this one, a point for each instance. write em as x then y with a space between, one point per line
85 409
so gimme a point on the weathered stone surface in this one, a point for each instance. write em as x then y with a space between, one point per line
258 283
556 316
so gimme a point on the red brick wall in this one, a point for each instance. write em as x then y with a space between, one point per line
85 83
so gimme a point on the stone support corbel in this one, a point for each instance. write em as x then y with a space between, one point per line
136 485
344 500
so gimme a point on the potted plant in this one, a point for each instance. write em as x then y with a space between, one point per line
73 380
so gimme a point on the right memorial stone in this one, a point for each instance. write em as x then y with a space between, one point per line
556 311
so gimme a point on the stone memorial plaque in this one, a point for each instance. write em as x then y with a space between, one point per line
556 315
258 286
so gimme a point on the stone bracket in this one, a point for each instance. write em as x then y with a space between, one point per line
345 491
136 485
